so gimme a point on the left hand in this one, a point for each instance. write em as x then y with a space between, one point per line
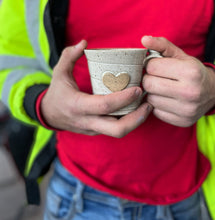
180 87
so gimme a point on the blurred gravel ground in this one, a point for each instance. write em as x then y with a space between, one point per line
12 193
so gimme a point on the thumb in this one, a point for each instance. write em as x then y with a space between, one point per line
163 46
69 56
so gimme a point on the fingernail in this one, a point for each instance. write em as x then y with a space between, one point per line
138 92
79 45
147 37
141 119
149 108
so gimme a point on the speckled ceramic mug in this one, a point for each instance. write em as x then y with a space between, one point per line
113 70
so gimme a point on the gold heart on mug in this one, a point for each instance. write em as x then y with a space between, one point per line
115 82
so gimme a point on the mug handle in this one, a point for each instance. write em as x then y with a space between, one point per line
152 54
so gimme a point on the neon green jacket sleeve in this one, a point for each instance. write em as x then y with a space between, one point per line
24 53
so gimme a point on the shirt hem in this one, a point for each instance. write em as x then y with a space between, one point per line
166 201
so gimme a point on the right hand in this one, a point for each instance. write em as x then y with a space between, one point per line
65 107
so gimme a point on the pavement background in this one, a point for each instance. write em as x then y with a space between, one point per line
12 190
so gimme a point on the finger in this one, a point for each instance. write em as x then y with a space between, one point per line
80 131
85 132
162 45
166 68
161 86
172 118
118 128
105 104
131 121
69 56
170 105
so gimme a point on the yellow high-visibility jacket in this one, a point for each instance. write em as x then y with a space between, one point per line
31 40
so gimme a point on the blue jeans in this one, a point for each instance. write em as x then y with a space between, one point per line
70 199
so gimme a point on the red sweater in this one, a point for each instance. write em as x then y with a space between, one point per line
157 163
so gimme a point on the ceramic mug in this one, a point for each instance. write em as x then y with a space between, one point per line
113 70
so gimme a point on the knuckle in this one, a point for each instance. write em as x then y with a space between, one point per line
194 73
119 132
196 96
190 111
105 107
191 94
187 122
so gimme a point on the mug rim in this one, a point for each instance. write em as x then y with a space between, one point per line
115 49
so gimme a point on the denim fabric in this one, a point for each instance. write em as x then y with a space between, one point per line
70 199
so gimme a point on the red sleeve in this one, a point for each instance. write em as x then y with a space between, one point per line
210 65
39 113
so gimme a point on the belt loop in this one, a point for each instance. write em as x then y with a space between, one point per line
164 213
121 208
78 197
140 211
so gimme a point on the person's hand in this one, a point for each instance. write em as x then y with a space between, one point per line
65 107
180 88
